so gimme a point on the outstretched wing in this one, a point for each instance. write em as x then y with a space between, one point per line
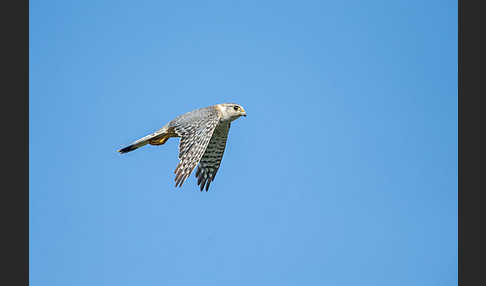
195 129
210 161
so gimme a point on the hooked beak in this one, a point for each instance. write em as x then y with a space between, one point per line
243 111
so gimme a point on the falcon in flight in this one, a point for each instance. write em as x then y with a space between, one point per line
203 134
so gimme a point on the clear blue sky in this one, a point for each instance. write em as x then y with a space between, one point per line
343 173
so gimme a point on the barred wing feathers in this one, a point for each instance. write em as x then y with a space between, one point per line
211 160
195 130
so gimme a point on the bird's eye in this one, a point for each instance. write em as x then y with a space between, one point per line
236 107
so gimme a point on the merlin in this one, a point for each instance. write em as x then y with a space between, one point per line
203 134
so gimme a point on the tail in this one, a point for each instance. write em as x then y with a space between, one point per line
157 138
128 149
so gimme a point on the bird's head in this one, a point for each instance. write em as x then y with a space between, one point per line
231 111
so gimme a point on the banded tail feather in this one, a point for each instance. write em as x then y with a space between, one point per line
127 149
157 138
